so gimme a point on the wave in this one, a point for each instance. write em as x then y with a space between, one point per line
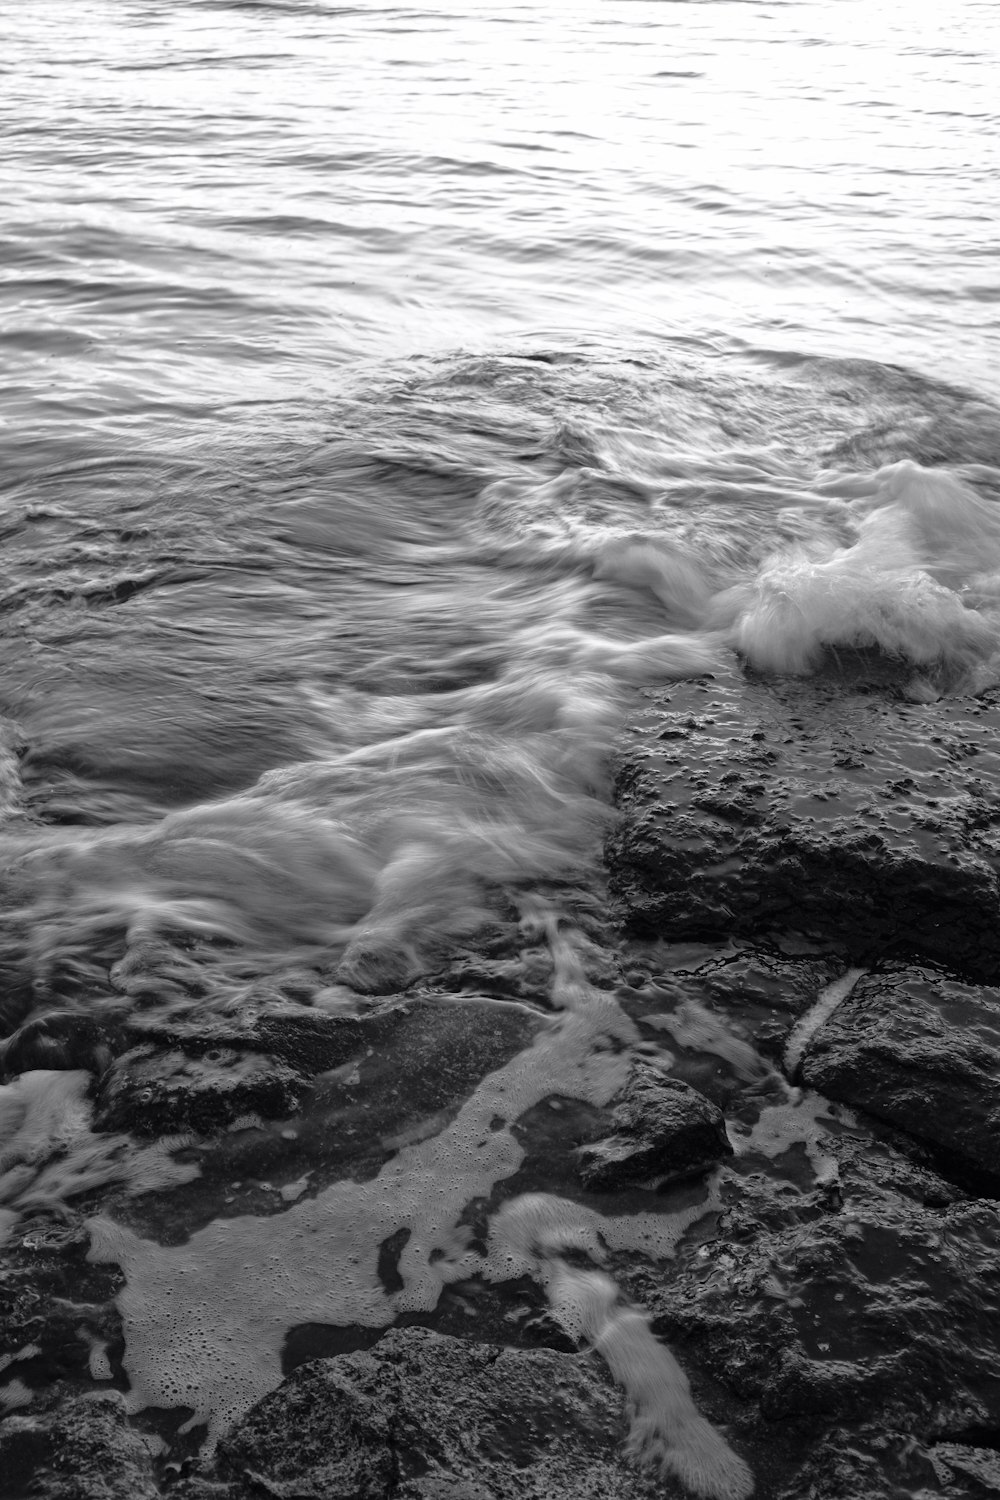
363 713
379 677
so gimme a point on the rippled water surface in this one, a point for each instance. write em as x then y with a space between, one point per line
389 395
211 202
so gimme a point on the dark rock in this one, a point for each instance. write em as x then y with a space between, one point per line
756 992
422 1417
153 1092
309 1040
526 977
867 1313
869 1463
663 1129
435 1050
976 1469
56 1308
314 1041
920 1050
83 1450
64 1039
825 806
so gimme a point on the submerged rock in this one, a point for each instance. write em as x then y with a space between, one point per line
164 1092
423 1416
663 1129
920 1050
826 806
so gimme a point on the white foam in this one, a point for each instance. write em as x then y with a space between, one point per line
798 1119
819 1012
15 1395
205 1321
49 1153
667 1432
922 539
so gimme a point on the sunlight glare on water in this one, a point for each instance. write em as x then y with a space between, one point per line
201 189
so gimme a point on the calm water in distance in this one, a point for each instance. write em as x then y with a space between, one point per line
213 202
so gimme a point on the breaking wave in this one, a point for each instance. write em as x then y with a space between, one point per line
357 698
287 725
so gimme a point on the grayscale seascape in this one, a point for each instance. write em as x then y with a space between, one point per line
499 764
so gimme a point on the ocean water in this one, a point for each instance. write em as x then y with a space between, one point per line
390 394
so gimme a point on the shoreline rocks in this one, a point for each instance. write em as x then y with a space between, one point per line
921 1051
422 1416
834 1302
85 1449
663 1129
826 806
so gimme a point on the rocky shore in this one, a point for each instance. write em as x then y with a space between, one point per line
679 1181
816 1088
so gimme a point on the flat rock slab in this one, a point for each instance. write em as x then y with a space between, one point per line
422 1417
920 1050
663 1129
828 806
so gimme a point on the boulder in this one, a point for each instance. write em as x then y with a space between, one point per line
153 1092
424 1416
663 1129
920 1050
844 1334
827 806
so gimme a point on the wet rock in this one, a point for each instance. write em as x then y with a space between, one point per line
847 1332
526 977
663 1129
199 1072
151 1092
867 1462
435 1050
826 806
374 965
341 1028
920 1050
423 1417
64 1039
973 1470
83 1450
759 991
269 1023
57 1315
